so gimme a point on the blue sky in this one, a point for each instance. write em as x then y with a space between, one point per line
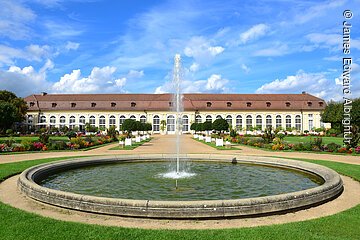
226 46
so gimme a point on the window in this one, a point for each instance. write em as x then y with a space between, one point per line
259 122
228 104
268 121
218 117
143 119
287 104
248 104
121 121
171 104
321 104
208 104
208 118
133 104
185 123
82 123
298 122
248 122
93 104
92 121
229 120
62 122
133 117
43 120
156 123
198 119
113 104
53 104
102 122
288 121
32 104
112 121
30 119
73 105
72 122
311 121
239 122
278 121
170 123
309 104
268 104
52 121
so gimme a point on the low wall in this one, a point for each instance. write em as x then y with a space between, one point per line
331 188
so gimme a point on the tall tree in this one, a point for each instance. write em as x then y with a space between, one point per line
12 109
333 113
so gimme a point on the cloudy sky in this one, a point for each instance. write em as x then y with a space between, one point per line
95 46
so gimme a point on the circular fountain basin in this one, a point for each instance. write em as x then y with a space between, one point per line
215 188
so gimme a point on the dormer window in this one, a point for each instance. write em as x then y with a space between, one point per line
73 105
93 104
113 104
309 104
208 104
287 104
53 104
32 104
133 104
268 104
171 104
321 104
248 104
228 104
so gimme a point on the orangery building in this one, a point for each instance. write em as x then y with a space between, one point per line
299 112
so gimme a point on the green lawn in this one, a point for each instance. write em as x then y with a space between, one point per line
18 224
326 140
35 138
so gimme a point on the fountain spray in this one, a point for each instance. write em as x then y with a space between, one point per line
178 106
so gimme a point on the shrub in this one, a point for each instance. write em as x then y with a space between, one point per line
27 144
342 150
38 145
308 146
357 149
233 133
71 134
317 142
268 135
281 135
44 138
9 132
56 145
332 147
298 146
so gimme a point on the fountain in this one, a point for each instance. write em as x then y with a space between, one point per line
216 187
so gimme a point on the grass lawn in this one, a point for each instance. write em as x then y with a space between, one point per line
35 138
326 140
133 146
18 224
216 147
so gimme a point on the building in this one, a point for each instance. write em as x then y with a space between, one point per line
242 111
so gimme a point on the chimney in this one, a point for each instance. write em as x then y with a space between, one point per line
43 93
303 92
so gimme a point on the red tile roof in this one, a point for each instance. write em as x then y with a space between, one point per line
160 102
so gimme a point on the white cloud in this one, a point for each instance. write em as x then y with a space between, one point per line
317 84
62 30
31 53
135 74
245 68
194 67
332 41
71 46
202 50
15 20
254 32
214 84
99 80
277 50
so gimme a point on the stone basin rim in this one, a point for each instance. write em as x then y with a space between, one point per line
330 189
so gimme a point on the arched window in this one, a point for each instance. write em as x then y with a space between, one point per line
259 122
268 121
278 121
62 121
82 123
42 119
102 122
198 119
185 123
218 117
72 122
248 122
298 122
239 122
52 121
133 117
229 120
92 121
288 121
143 119
112 121
121 121
156 123
208 118
170 123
